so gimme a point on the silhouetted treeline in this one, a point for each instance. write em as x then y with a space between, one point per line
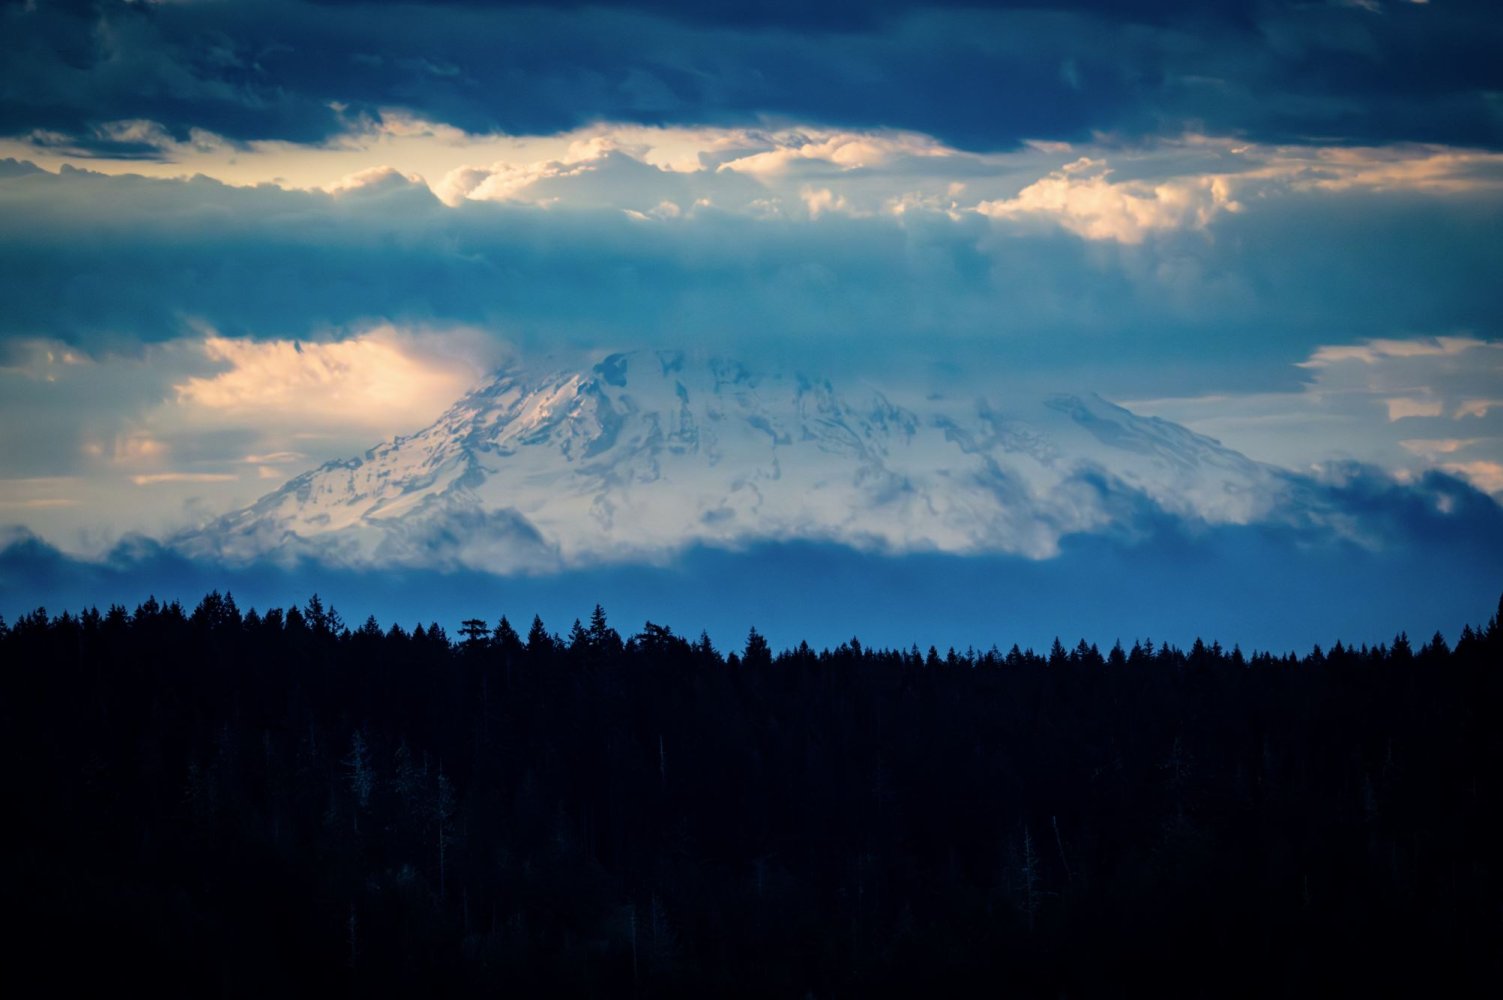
212 802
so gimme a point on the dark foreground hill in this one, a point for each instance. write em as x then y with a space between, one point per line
212 803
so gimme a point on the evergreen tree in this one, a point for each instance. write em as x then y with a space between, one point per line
539 642
1057 655
475 631
757 655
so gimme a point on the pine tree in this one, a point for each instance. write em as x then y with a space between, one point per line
1057 655
475 632
579 640
757 653
539 642
317 616
505 638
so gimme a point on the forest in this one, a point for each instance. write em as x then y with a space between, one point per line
212 802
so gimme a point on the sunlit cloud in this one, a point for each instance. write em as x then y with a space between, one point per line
845 150
198 424
1442 446
1082 198
40 359
43 503
1485 475
1100 190
1375 352
1365 402
1477 407
382 380
158 478
1433 169
275 457
1400 409
40 493
372 177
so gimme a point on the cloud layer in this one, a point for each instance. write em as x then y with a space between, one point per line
1188 242
1284 587
1408 405
978 75
200 340
168 434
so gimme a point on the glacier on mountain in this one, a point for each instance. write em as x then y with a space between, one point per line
640 455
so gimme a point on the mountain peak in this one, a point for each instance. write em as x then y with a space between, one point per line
640 454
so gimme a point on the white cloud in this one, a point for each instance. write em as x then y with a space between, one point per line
275 457
818 201
158 478
40 493
131 448
1434 447
1101 190
1485 475
1406 167
1477 407
845 150
383 381
1366 401
1082 198
1400 409
1375 352
874 247
198 426
373 178
43 503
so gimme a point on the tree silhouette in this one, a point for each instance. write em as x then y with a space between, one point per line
264 802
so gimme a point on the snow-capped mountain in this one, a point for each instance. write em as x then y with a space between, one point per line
642 454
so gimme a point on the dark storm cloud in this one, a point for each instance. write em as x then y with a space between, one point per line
975 75
849 15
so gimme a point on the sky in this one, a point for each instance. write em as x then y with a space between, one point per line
243 238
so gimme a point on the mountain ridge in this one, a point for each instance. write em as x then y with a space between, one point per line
641 454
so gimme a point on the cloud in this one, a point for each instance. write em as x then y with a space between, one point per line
201 423
102 258
1375 352
844 150
39 493
1265 585
121 282
1105 189
155 478
378 381
1485 475
295 71
1444 446
1477 407
1082 199
1413 386
1399 409
374 179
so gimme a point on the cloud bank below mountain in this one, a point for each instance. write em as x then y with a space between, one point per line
1430 562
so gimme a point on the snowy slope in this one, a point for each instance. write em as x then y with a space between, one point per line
642 454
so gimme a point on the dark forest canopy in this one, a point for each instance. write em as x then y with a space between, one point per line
220 613
245 803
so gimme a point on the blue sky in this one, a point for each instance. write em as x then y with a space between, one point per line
243 238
